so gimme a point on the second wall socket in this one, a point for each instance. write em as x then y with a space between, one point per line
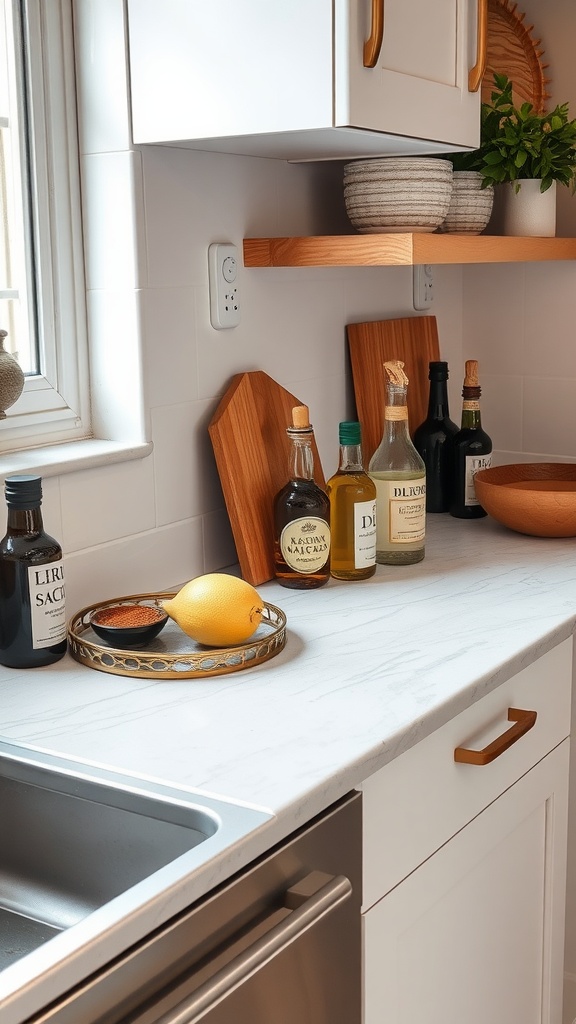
423 286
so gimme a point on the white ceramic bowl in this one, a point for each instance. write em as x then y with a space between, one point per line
470 205
394 194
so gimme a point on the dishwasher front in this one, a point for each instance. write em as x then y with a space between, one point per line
279 943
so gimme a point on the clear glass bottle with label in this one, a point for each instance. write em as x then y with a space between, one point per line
400 477
352 497
471 450
301 515
32 590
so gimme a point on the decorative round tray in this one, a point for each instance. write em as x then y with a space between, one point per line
173 655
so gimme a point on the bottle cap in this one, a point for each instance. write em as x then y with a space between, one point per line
438 371
349 432
23 491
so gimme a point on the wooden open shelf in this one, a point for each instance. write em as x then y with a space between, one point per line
402 250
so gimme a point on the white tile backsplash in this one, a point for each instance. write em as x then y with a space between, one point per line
186 479
107 503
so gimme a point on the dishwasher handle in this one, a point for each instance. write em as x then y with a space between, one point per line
309 900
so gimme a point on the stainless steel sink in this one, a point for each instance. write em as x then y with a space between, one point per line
84 851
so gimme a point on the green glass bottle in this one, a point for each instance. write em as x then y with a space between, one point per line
471 450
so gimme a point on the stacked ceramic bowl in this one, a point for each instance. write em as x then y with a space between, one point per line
393 194
470 206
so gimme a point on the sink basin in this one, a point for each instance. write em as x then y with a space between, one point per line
85 851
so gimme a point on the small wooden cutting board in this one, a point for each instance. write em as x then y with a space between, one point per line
252 451
414 340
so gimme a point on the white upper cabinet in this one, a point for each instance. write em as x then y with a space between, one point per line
288 79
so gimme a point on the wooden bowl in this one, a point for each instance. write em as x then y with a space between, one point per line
537 498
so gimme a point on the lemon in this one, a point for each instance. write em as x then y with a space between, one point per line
216 609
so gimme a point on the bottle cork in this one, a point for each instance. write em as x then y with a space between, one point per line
394 370
301 417
471 376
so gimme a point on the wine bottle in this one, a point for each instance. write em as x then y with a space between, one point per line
400 477
471 450
431 437
352 497
301 515
32 591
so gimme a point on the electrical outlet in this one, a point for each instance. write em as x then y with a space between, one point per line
223 280
423 286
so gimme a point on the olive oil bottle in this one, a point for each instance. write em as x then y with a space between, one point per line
352 497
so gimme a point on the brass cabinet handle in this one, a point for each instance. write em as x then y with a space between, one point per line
476 74
523 722
373 44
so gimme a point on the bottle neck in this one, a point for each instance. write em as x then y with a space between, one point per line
25 520
471 418
301 465
438 400
350 458
395 413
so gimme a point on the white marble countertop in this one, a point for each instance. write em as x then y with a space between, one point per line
368 670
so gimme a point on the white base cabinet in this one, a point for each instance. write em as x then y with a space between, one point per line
468 924
288 80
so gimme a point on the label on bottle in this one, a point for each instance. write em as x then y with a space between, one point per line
395 412
305 544
47 604
473 464
403 504
364 534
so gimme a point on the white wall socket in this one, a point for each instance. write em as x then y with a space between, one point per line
223 281
423 286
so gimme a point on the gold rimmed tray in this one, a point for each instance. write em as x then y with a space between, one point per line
173 655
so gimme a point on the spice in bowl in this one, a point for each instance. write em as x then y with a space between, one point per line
128 625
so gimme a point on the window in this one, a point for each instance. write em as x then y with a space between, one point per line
42 291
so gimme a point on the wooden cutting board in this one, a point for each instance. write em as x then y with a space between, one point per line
252 450
414 340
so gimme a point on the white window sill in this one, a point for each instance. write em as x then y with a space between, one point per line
69 457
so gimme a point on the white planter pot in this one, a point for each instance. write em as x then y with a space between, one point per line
470 205
529 211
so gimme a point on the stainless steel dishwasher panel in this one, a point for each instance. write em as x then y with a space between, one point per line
278 944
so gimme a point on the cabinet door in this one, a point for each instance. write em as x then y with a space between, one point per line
202 69
419 86
476 933
288 79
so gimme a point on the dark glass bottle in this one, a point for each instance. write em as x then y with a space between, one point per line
301 515
352 497
431 437
32 593
471 450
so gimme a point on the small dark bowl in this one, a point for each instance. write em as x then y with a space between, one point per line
127 637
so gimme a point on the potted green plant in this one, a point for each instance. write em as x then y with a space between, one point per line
527 152
518 142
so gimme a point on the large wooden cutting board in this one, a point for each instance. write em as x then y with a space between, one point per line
414 340
252 450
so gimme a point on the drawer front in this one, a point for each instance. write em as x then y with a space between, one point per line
417 802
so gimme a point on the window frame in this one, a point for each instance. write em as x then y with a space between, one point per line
55 404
